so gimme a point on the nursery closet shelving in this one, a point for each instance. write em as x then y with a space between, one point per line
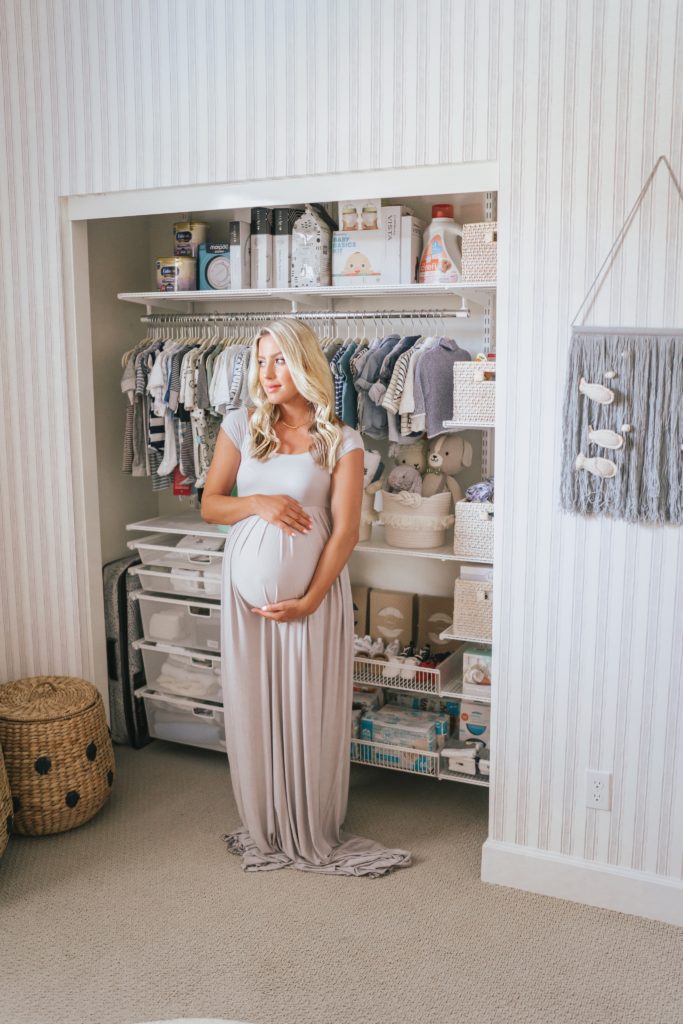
416 302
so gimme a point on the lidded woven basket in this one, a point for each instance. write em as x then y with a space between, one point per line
6 815
58 752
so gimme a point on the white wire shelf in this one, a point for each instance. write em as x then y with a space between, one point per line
470 780
476 698
477 293
398 759
413 678
468 425
450 634
377 545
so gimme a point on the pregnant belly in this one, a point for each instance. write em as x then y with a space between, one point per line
266 565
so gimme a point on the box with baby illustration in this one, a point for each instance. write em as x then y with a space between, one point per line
369 258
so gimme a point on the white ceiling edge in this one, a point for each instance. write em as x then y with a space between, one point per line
436 179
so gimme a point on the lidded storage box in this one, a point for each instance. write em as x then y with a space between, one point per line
473 610
57 750
479 251
411 521
473 535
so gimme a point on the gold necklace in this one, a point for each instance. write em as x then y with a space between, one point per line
289 425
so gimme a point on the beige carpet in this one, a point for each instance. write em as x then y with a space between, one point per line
142 915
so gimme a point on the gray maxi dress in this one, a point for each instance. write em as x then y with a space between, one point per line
287 686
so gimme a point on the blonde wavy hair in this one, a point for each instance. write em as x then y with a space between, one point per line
312 376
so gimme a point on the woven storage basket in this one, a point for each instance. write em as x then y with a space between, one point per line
479 248
59 756
473 610
6 814
474 399
473 534
415 522
367 517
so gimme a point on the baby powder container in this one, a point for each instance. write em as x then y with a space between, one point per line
440 262
188 236
176 274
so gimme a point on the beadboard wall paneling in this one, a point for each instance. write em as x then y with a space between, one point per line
575 101
588 613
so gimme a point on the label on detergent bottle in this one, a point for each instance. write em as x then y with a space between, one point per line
435 264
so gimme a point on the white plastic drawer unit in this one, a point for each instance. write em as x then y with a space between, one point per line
180 720
181 672
181 622
164 549
190 582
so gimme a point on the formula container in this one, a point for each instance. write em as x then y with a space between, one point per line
440 262
176 274
189 235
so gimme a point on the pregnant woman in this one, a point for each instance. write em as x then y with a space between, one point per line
287 635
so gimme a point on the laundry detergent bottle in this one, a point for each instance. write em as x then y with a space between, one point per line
440 262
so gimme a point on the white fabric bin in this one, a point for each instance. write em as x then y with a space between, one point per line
164 549
411 521
179 720
474 398
473 534
181 672
175 580
181 622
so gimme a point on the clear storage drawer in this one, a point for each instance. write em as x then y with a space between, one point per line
181 622
164 549
174 580
180 720
181 672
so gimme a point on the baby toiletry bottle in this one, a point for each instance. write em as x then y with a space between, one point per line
440 262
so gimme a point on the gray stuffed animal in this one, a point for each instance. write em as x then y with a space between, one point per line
404 478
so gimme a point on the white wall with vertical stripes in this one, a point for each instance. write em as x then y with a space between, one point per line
574 100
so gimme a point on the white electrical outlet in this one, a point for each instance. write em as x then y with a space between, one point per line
599 790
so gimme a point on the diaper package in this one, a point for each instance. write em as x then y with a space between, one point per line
405 727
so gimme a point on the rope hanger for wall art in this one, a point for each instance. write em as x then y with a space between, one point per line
622 448
606 265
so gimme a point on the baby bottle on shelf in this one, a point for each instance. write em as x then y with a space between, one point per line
440 262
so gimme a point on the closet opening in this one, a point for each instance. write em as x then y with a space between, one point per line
110 244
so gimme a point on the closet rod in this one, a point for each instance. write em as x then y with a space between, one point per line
217 318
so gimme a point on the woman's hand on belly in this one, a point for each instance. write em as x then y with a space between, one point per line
283 511
287 611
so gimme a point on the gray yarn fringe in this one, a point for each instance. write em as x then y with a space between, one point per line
648 389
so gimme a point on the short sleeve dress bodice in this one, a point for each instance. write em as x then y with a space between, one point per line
287 686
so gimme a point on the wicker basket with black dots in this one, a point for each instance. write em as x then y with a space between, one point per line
58 752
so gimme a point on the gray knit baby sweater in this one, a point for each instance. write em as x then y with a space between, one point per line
433 389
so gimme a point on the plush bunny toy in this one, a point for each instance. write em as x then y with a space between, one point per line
448 454
404 478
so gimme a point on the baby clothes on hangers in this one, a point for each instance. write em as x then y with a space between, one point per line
433 387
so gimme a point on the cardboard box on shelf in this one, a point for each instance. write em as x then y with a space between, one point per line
412 230
368 259
476 670
434 615
475 721
392 615
359 596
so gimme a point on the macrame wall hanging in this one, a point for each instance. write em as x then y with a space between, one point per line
622 449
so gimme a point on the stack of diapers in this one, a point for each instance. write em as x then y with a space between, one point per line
405 727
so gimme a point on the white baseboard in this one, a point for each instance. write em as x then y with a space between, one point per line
570 878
